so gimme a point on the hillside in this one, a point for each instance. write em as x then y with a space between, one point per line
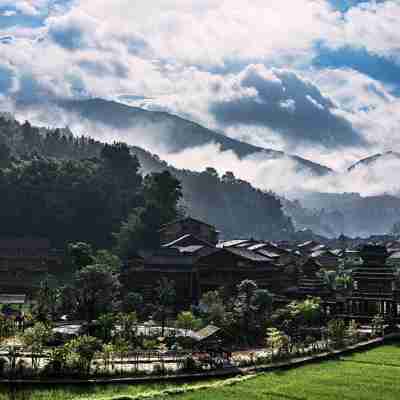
233 206
348 213
174 133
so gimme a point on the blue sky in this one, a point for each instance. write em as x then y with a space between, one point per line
309 76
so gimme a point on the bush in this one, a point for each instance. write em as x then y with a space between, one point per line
83 349
337 332
377 325
57 365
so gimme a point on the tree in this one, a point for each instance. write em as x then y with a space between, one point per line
307 311
352 331
96 289
80 254
228 177
84 348
214 308
210 298
118 156
106 323
163 191
337 332
244 304
166 297
139 232
47 300
212 172
35 338
377 325
132 302
277 341
108 259
127 326
187 321
121 347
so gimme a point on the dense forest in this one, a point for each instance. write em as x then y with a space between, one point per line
235 207
68 188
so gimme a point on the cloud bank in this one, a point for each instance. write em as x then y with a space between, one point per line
246 68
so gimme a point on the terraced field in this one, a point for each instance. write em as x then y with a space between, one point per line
372 375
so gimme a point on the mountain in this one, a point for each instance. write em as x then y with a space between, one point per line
354 215
51 175
172 132
375 160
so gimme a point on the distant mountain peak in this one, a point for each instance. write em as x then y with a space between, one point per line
371 160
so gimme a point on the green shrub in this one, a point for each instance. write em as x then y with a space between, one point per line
337 332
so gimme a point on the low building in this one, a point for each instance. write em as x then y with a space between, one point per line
24 263
197 269
199 229
375 288
326 258
309 282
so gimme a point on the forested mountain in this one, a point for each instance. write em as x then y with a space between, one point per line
67 188
174 133
235 207
348 213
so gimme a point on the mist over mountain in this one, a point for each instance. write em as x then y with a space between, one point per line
235 206
172 133
331 214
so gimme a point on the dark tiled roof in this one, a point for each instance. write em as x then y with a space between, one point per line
194 249
248 255
187 240
268 253
185 219
233 243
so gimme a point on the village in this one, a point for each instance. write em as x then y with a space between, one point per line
201 304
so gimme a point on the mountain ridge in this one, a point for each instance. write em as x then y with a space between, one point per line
370 160
179 133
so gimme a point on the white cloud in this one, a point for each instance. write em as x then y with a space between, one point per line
214 32
371 25
282 175
172 51
8 13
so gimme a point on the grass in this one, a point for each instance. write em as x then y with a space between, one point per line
372 375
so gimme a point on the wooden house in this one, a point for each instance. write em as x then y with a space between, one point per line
199 229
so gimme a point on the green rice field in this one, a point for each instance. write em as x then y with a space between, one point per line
372 375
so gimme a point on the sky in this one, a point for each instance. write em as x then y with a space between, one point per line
317 78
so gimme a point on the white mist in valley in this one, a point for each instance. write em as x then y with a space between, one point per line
284 176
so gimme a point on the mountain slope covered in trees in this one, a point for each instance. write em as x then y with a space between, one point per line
64 187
